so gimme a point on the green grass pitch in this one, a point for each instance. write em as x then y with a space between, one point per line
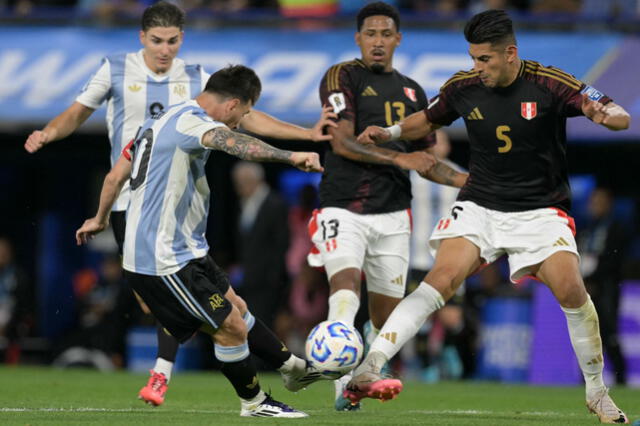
35 396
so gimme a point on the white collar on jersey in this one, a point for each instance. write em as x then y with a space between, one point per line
174 64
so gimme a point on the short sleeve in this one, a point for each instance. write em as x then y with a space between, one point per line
336 89
192 125
429 140
98 88
440 109
570 98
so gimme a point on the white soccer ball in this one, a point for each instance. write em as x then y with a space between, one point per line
334 348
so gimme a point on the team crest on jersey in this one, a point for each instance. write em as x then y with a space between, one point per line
180 90
528 110
411 93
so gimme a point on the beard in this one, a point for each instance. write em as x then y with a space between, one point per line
377 68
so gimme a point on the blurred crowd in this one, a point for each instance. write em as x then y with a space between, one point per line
108 9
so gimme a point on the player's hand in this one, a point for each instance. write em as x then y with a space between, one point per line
374 134
326 119
307 161
594 110
88 230
419 161
36 140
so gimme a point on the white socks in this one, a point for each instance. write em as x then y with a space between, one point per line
250 404
163 366
343 306
585 338
403 323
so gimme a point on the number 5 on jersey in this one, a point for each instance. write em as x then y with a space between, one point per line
501 134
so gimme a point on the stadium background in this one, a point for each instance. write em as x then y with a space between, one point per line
49 52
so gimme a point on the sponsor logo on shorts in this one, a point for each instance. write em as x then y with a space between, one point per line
216 301
561 242
398 280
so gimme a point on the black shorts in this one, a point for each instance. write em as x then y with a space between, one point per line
185 301
119 224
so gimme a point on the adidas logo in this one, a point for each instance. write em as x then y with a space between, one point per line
561 242
369 92
475 115
596 360
135 88
398 280
390 336
254 383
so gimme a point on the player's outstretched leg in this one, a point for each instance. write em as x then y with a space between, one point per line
156 388
296 373
602 405
368 382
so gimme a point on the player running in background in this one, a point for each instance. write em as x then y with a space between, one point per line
515 201
364 222
165 252
135 86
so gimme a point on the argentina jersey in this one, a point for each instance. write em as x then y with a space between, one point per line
167 213
133 94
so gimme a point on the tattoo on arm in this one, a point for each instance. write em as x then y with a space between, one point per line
244 146
368 153
441 173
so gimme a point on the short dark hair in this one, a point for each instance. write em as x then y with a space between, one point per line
162 14
378 8
492 26
235 81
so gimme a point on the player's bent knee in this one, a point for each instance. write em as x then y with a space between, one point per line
233 330
446 279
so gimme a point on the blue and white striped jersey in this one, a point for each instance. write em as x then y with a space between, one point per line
167 214
134 93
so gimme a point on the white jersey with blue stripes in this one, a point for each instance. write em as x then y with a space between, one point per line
167 214
133 94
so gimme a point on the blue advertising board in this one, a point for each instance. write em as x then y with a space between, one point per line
42 69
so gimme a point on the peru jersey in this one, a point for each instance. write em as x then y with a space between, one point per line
167 214
134 93
365 98
517 135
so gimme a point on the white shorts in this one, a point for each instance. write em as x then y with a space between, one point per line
527 237
377 244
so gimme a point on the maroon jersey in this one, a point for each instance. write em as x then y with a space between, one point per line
366 98
517 135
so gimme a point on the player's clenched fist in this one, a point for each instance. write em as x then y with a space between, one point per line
374 134
36 140
419 161
307 161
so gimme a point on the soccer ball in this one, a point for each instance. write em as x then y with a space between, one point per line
334 348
